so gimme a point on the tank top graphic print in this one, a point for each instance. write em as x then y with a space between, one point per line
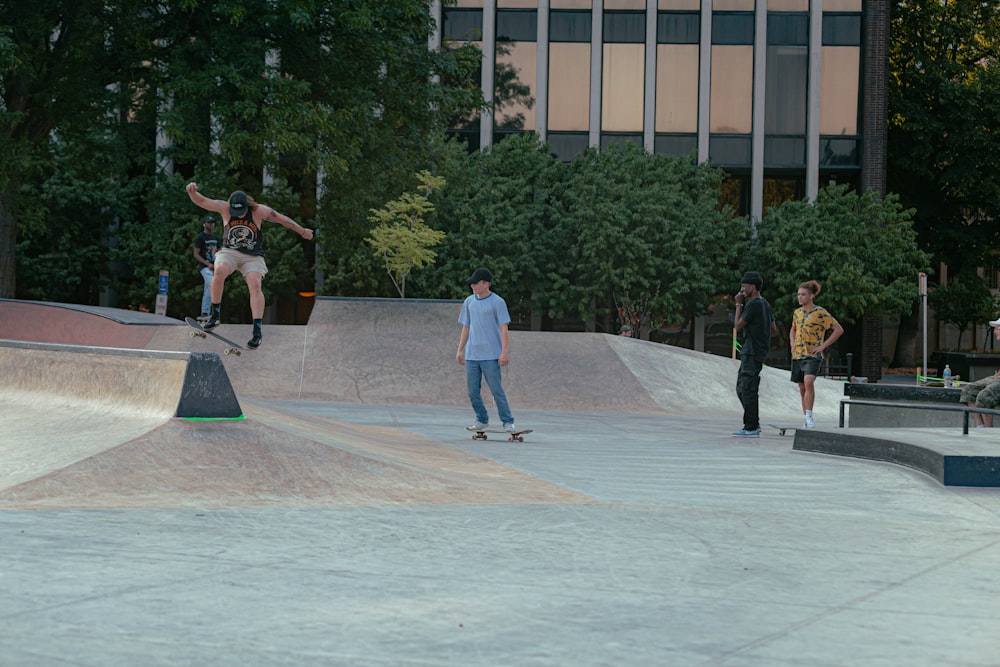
245 235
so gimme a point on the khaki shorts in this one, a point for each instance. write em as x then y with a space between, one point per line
242 262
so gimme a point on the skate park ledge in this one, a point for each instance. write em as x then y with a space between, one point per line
190 385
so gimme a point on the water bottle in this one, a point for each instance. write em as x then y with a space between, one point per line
947 375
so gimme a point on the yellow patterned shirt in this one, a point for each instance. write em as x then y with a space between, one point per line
810 330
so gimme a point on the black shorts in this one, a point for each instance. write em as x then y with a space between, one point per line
805 366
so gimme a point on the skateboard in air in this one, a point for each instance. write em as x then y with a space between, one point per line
781 429
480 434
202 332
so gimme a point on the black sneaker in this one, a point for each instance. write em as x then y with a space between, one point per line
211 322
254 342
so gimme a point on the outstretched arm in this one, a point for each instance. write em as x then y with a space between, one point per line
285 221
204 202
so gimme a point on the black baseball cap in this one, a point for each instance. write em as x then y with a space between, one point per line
207 219
481 273
238 204
752 278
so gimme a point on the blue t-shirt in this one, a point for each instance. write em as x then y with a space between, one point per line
484 317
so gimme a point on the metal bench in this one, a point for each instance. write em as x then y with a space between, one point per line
964 409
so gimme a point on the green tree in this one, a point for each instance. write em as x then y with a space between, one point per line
861 248
350 100
962 302
400 237
496 212
943 146
642 229
62 65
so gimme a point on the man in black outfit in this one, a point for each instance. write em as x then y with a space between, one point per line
754 318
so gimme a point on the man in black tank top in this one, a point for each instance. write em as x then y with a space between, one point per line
242 249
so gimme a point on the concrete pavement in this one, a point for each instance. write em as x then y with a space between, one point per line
366 532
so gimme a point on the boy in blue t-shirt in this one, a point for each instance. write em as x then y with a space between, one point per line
482 348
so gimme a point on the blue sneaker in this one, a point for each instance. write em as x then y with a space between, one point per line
744 433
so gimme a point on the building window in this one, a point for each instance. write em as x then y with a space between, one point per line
729 151
569 88
788 29
779 188
675 144
735 192
623 82
678 28
732 28
517 26
839 152
570 26
840 78
515 80
462 25
620 139
732 90
567 145
841 30
625 27
784 151
677 87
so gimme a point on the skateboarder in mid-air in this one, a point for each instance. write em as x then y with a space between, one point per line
482 348
242 250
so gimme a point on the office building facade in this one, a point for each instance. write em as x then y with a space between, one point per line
785 95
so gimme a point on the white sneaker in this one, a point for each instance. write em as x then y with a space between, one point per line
810 423
477 426
510 428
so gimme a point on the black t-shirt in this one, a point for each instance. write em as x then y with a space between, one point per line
207 243
757 333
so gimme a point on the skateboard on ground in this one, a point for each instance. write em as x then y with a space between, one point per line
511 437
202 332
781 429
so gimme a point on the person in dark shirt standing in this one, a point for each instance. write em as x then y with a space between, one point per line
205 245
753 317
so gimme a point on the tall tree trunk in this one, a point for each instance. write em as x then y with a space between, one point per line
8 245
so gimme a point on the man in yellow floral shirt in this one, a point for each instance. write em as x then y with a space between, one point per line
810 323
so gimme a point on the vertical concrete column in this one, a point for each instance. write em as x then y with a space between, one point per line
812 99
489 70
542 71
705 81
596 71
759 96
649 97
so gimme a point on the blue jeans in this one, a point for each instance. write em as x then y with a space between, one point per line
475 371
206 296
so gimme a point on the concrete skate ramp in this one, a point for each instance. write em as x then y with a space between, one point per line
402 351
60 404
395 351
276 459
72 324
